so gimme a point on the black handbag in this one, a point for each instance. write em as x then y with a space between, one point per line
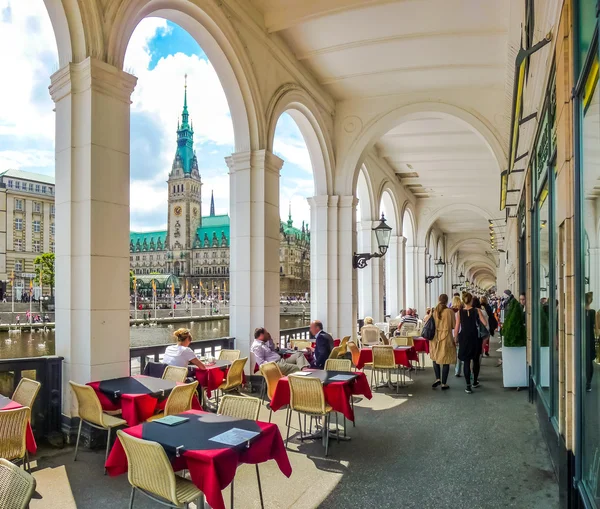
428 331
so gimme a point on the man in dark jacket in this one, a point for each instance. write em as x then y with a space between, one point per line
323 344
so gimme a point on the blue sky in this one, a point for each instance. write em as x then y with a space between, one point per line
160 53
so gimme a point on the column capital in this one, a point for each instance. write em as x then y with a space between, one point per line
95 74
256 158
319 201
348 201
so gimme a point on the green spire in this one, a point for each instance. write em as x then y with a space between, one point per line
184 113
185 136
290 222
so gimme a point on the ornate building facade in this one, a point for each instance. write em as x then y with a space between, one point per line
195 247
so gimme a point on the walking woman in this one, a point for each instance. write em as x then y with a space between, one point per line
442 349
469 344
457 305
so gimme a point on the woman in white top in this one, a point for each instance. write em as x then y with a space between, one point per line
181 354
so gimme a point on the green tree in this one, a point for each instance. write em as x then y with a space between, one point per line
131 278
513 329
44 263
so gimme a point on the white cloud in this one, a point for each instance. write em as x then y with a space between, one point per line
28 59
32 158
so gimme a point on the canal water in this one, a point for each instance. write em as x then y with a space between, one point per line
28 344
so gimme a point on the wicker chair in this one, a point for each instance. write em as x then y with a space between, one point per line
16 486
234 378
355 352
229 355
369 335
401 341
338 365
175 374
384 339
307 398
383 360
300 344
13 429
271 374
150 472
26 392
90 411
335 352
344 345
179 400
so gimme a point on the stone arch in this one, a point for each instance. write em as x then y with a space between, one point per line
209 26
445 211
68 30
294 100
384 122
409 225
388 198
484 244
364 193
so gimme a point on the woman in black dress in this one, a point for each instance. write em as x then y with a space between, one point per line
469 344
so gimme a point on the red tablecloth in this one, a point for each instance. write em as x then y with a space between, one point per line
402 355
210 378
337 394
213 470
29 438
135 408
336 342
421 345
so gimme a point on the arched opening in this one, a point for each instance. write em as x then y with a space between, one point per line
408 232
296 184
393 297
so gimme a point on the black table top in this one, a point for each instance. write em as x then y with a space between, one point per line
195 434
156 387
326 376
220 364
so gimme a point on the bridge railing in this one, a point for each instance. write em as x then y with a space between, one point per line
286 335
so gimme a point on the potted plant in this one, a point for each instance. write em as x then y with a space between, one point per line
514 347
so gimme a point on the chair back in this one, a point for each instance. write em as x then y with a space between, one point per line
369 335
88 404
175 374
384 339
13 426
149 468
335 352
229 355
344 345
401 341
239 407
271 372
383 357
338 365
26 392
300 344
354 351
236 372
180 398
16 486
306 395
406 328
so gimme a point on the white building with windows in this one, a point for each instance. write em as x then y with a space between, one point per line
27 225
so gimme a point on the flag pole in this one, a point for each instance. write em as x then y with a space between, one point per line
30 297
134 297
41 293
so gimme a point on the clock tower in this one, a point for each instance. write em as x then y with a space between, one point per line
185 197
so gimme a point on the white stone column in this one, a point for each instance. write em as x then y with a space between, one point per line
420 286
376 265
92 221
394 259
364 276
347 296
410 273
254 258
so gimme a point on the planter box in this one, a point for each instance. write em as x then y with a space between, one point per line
514 366
544 366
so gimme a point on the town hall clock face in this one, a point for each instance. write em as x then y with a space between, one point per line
177 210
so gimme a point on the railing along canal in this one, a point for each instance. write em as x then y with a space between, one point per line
140 355
286 335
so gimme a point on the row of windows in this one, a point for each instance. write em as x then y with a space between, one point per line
35 225
30 186
37 206
36 246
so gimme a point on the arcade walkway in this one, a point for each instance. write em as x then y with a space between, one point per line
425 450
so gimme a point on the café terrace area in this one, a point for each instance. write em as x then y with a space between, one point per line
419 117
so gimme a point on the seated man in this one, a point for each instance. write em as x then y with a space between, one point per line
323 344
410 317
264 351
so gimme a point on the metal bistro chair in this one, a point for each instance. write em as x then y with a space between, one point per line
271 374
229 355
175 374
16 486
341 365
241 407
26 392
307 398
234 379
13 429
179 400
150 472
383 360
335 352
90 411
344 346
355 352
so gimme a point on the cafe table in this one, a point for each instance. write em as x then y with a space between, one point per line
338 394
9 404
213 376
138 397
212 465
403 355
421 347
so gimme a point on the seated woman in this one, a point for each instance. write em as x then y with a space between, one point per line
369 333
181 354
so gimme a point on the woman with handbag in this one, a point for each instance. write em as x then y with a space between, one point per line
441 347
469 342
